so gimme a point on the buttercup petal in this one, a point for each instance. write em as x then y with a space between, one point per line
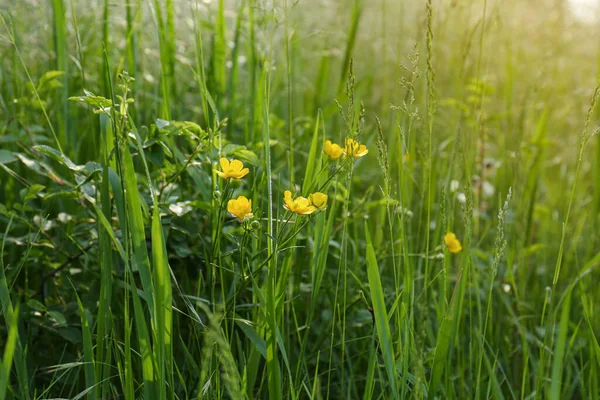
236 165
224 164
287 196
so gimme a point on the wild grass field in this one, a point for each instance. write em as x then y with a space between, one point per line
299 199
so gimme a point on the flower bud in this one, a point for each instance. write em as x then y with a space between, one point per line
255 225
217 195
235 183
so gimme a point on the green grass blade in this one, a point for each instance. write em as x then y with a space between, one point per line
135 219
321 83
19 355
350 42
273 368
166 55
163 308
104 67
370 377
314 159
440 359
9 351
381 316
219 53
163 304
145 345
232 85
88 349
559 350
106 225
60 47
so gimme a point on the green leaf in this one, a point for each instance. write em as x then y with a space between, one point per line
156 154
89 98
162 124
58 318
58 156
71 334
9 139
36 305
7 157
254 337
49 81
247 156
185 128
50 75
31 192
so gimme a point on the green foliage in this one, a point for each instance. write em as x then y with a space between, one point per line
124 272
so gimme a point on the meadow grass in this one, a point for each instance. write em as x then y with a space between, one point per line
130 267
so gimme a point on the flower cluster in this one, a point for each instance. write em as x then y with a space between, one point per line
241 208
302 206
351 149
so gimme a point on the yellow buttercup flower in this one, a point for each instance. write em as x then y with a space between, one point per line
234 169
355 149
452 242
240 208
300 205
333 150
318 200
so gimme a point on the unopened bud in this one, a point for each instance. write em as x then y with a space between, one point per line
255 225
